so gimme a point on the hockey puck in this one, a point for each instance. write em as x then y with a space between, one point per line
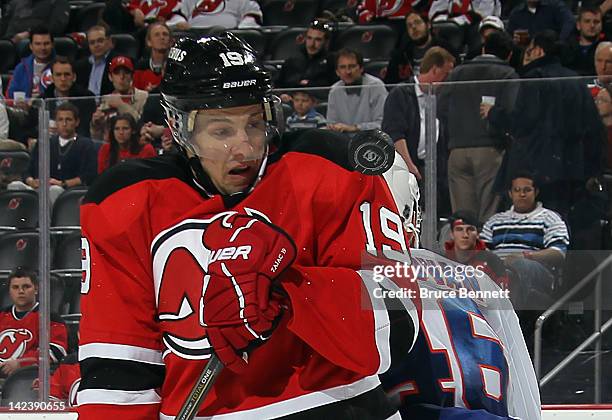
371 152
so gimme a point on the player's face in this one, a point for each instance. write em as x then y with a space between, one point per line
464 237
23 293
231 143
123 132
302 103
41 46
348 69
523 195
315 40
66 124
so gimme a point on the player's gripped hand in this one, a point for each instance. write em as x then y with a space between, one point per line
248 253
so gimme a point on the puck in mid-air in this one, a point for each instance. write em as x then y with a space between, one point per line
371 152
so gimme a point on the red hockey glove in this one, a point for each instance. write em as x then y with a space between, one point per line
247 254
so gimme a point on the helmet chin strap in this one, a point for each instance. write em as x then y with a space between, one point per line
204 182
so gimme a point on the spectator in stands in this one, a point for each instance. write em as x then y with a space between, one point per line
466 247
19 324
489 25
603 66
92 71
357 100
557 132
305 115
405 61
21 17
137 14
535 16
123 143
148 74
463 13
4 120
125 99
6 177
311 65
532 240
234 14
64 381
33 74
404 109
476 150
601 90
63 88
72 157
168 146
579 53
146 12
372 10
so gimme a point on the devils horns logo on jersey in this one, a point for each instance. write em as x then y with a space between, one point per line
208 7
180 264
13 343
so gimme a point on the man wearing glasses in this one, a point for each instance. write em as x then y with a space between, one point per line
92 71
532 241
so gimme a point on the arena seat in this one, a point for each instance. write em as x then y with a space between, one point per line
18 210
89 16
376 68
451 33
285 43
18 249
14 162
374 42
65 216
288 12
8 54
18 386
66 46
126 44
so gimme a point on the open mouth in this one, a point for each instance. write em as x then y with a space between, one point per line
239 171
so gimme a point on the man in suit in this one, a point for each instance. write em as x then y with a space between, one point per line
404 112
92 71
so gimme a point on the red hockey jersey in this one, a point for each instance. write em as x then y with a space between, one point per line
65 381
143 223
164 10
19 337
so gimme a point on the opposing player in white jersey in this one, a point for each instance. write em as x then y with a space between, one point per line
470 360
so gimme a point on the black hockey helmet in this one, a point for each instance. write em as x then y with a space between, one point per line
217 71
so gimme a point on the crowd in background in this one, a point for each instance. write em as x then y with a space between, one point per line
521 166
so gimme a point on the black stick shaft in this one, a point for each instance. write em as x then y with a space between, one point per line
201 389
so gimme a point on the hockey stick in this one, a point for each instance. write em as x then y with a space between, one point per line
201 389
369 152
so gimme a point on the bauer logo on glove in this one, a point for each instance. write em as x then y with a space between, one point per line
238 308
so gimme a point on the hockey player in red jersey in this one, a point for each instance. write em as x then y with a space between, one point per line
226 248
19 326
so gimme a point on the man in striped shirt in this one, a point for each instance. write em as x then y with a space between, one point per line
532 241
